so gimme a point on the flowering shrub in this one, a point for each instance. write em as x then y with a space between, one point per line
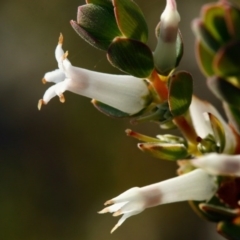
152 90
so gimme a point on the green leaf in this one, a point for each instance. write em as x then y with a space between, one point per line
130 20
210 212
233 114
234 20
218 131
96 25
131 56
227 60
180 93
109 111
208 145
168 138
179 48
205 36
230 229
214 18
160 113
205 59
103 3
165 151
218 213
225 91
195 207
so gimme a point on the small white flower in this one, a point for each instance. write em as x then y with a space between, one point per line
202 126
219 164
196 185
125 93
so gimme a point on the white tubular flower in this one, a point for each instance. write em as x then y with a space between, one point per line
165 52
219 164
198 110
196 185
125 93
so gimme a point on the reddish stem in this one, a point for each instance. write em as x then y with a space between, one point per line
159 85
186 129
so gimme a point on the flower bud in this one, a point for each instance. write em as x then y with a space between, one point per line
167 50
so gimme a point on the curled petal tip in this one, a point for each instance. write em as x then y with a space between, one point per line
61 98
60 40
44 81
40 103
140 146
108 202
117 213
105 210
115 228
128 132
65 55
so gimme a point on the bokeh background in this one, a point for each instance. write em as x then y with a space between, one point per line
58 166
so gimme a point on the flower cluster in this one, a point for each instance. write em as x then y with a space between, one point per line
209 154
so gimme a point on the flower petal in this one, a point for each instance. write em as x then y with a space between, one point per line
122 219
197 185
54 76
131 194
219 164
59 51
203 127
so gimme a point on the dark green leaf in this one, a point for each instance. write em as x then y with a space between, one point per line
234 20
130 20
96 25
204 215
205 36
233 114
229 229
225 91
179 48
205 59
227 60
165 151
180 92
214 20
131 56
103 3
218 212
218 131
109 111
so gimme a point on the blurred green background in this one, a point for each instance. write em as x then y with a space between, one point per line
58 166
